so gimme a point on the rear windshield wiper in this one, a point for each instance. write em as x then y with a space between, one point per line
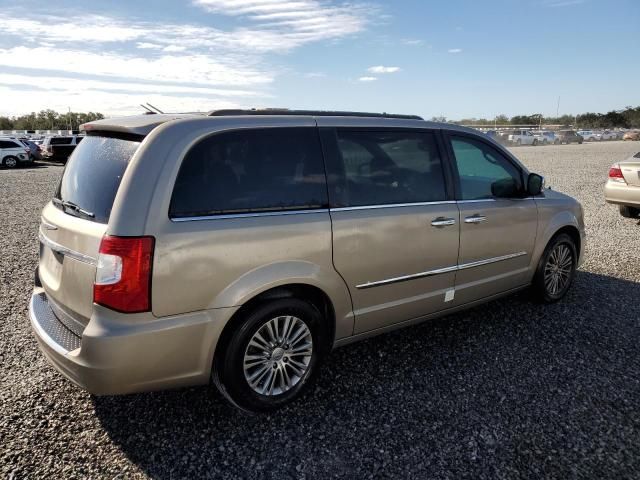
74 207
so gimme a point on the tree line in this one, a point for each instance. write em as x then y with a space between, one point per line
48 120
627 118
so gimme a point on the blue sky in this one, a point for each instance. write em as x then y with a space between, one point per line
455 58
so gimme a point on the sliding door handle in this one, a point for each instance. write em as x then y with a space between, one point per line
477 218
443 222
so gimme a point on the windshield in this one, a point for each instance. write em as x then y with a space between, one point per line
92 176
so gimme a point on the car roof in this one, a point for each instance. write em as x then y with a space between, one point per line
142 125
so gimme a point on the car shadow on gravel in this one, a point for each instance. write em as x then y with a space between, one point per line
507 389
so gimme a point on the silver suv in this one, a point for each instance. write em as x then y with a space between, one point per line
242 246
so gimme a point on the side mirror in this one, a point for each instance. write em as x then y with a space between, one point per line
535 184
506 188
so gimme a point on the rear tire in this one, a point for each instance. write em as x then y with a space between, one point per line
556 269
629 212
262 368
535 142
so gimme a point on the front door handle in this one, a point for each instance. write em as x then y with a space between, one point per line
477 218
443 222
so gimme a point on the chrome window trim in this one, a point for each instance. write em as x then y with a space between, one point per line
67 252
391 205
225 216
480 200
439 271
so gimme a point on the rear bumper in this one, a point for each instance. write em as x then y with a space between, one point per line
622 194
119 354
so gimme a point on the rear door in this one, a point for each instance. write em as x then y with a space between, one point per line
74 222
497 235
395 227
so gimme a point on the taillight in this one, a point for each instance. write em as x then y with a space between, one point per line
615 174
123 275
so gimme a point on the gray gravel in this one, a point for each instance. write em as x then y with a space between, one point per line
506 390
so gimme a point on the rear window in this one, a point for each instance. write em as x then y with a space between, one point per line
9 144
92 177
60 141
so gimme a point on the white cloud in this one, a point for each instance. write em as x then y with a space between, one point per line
116 103
298 20
413 42
106 61
56 83
188 69
383 69
174 48
315 75
454 50
367 79
148 45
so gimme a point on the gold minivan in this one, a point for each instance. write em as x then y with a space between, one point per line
240 247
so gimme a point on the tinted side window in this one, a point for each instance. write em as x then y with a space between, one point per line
386 167
60 141
251 171
78 140
479 166
7 144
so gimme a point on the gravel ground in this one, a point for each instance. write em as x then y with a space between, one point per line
507 390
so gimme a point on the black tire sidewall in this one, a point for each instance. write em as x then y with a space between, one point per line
539 284
629 212
4 162
230 367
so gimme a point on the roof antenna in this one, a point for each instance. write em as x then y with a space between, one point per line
148 110
155 108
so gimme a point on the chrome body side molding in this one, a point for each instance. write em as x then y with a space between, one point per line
439 271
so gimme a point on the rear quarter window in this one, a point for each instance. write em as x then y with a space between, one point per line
251 171
93 174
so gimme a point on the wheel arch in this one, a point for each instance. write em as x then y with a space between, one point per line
312 294
564 221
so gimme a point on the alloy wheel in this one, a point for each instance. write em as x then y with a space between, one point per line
278 355
557 271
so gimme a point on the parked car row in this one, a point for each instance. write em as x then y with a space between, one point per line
16 151
523 136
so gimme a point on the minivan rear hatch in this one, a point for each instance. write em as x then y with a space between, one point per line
75 221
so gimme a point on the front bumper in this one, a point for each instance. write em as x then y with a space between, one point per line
119 354
622 194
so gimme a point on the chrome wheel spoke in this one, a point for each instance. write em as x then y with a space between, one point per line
557 271
278 355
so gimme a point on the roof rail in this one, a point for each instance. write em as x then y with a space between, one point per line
314 113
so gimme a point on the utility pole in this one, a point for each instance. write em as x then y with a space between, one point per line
558 107
70 124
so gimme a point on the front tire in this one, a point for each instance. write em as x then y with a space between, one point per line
10 162
556 269
273 355
629 212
